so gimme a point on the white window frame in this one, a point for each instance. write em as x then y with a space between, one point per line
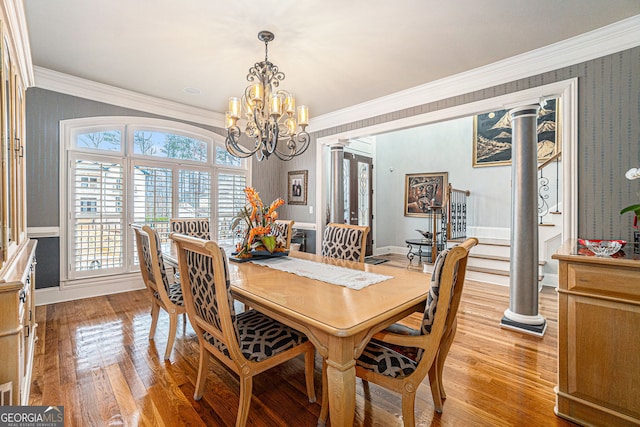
69 129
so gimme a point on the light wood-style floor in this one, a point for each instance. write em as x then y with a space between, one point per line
94 357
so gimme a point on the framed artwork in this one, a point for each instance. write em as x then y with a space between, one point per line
423 191
492 136
297 188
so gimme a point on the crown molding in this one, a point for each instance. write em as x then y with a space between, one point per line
83 88
613 38
610 39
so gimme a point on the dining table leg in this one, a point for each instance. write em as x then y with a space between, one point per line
341 376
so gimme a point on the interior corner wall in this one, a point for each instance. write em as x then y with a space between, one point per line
608 135
307 161
44 111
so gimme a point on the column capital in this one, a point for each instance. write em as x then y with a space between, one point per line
524 111
337 143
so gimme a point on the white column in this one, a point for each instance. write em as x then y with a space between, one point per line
522 313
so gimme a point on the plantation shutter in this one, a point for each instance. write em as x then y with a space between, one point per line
231 199
97 217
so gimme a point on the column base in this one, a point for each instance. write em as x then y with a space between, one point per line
537 330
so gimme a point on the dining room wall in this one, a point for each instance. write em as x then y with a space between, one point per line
44 111
435 148
608 135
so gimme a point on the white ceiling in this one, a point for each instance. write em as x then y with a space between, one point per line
334 53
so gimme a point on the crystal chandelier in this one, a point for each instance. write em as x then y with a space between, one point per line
270 113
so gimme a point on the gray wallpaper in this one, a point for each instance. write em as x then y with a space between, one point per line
608 135
45 109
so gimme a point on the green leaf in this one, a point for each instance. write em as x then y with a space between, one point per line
632 208
269 242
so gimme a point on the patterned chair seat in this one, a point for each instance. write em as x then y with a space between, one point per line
164 294
248 343
260 337
399 358
385 361
175 294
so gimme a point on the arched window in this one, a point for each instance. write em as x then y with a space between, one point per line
120 170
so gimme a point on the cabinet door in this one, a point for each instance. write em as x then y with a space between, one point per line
17 131
8 172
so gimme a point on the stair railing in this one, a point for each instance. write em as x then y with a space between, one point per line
456 213
544 189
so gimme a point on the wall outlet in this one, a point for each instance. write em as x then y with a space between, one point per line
310 209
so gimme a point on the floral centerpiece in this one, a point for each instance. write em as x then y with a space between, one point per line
259 219
633 173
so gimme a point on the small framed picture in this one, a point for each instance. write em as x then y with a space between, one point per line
297 188
423 192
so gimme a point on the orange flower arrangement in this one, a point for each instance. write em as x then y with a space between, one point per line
259 220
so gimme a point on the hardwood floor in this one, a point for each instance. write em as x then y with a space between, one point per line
94 357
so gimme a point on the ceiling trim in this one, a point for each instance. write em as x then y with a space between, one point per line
83 88
613 38
610 39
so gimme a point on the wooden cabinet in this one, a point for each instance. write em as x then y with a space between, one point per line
17 324
598 338
17 262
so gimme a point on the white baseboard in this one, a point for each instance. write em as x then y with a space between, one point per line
550 280
70 292
390 250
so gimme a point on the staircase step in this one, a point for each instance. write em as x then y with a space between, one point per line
493 242
494 271
546 225
488 270
498 258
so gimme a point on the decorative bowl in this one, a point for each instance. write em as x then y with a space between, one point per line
603 248
583 241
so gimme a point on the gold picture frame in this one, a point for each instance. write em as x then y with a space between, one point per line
297 187
423 192
492 135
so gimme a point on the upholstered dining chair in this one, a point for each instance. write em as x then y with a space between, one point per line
284 229
399 358
345 241
195 227
248 343
164 295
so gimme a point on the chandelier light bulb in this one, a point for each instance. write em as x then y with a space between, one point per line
303 115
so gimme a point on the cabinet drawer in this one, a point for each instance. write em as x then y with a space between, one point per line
606 281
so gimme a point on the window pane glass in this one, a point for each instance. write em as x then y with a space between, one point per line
153 198
224 158
109 140
97 216
231 199
194 194
161 144
363 193
346 183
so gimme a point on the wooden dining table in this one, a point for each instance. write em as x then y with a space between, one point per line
339 321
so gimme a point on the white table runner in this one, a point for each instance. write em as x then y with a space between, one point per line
352 279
